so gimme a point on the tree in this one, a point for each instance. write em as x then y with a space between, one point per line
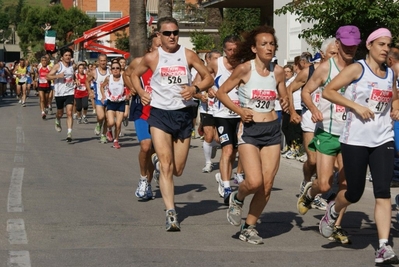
202 41
122 41
67 23
165 8
137 29
328 15
239 20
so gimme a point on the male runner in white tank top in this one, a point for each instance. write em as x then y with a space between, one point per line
98 75
171 103
330 120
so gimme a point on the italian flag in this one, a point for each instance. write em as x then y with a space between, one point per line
49 40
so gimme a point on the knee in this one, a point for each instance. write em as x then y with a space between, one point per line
353 197
145 147
324 185
253 185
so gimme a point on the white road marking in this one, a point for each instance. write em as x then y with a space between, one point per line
19 158
16 232
19 148
20 136
15 191
18 259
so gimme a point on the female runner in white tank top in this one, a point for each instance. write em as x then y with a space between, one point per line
114 95
367 139
259 83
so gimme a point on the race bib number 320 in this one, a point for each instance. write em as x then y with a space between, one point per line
174 75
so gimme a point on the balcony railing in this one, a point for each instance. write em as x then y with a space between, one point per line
103 15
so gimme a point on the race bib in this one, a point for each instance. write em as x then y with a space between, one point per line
43 80
379 100
69 82
23 78
174 75
81 87
339 113
237 103
262 100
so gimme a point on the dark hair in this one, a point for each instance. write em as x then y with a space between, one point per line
164 20
149 41
67 49
289 66
244 50
231 39
116 62
297 59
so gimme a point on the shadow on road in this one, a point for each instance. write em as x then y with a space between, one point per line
197 208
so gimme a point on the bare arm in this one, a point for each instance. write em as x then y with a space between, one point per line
102 86
128 72
234 80
344 78
138 71
282 91
52 74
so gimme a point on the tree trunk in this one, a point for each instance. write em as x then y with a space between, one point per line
137 29
165 8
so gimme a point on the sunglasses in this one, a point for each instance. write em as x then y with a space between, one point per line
169 33
115 68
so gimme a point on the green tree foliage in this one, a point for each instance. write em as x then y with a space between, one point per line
122 41
68 24
239 20
202 41
328 15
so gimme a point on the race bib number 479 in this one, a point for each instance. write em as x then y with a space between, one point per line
379 100
174 75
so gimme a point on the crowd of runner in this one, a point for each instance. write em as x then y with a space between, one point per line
332 112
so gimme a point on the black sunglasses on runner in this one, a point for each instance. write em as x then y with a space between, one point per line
169 33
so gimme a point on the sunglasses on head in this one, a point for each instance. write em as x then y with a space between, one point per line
115 68
169 33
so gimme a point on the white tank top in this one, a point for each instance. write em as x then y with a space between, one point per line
99 80
65 86
171 73
219 110
333 115
259 93
115 90
375 93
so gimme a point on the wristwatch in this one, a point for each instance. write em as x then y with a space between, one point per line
197 90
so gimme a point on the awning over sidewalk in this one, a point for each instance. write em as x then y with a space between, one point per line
152 6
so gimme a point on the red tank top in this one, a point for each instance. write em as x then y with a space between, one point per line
80 91
43 82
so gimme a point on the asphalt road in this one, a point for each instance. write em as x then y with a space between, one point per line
73 205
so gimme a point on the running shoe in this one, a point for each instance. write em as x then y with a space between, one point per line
291 155
23 104
220 184
103 139
141 190
97 130
125 121
75 116
193 133
58 127
85 121
155 161
234 211
46 111
149 194
50 110
69 137
238 178
208 168
339 235
385 255
213 153
80 121
20 101
304 203
116 144
109 136
226 195
172 225
250 235
155 176
302 187
319 203
302 158
43 115
326 225
369 177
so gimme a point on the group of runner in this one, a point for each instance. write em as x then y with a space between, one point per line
346 120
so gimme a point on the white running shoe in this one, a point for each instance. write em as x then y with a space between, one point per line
220 184
208 167
141 190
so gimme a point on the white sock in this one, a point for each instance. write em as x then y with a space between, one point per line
226 184
382 242
144 178
333 213
69 130
207 151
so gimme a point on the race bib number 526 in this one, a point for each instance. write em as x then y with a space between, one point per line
174 75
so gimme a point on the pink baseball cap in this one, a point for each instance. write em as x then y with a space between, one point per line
349 35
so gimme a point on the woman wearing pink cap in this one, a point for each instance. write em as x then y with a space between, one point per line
371 103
